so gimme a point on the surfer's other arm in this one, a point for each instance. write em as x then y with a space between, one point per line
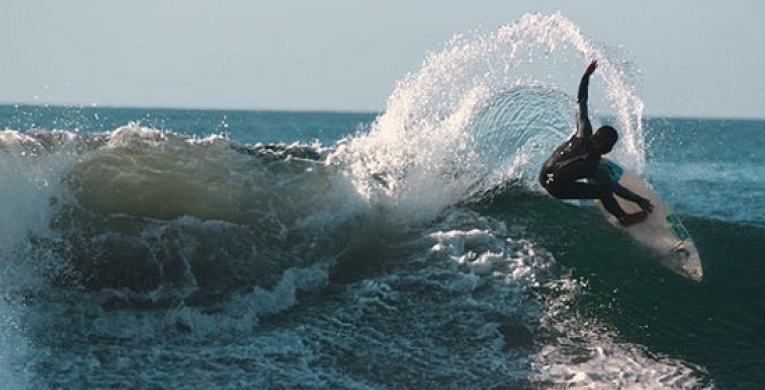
583 125
623 192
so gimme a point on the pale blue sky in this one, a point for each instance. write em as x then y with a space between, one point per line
696 58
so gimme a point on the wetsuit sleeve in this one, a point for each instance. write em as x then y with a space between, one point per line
583 125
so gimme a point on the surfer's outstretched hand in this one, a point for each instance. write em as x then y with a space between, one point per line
645 204
591 67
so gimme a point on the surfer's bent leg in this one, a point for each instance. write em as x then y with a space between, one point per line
612 206
603 179
587 190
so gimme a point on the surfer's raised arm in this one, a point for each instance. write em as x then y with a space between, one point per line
583 125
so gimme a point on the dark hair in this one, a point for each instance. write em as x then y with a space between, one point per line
607 137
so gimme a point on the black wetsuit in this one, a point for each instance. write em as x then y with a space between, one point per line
574 171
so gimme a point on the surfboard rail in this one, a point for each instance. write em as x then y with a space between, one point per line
663 231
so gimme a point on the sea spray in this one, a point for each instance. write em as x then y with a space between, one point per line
425 152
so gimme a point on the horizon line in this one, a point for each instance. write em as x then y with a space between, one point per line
313 110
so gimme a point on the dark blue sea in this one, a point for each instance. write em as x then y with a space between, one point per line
406 249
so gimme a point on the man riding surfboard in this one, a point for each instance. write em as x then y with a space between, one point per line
574 170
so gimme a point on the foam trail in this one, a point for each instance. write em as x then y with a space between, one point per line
423 153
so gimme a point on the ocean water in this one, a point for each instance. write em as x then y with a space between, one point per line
406 249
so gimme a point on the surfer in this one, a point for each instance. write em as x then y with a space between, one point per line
574 170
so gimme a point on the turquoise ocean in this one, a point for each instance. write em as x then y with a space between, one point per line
409 248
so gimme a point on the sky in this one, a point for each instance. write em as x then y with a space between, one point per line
695 58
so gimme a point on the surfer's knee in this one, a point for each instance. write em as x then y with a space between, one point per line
551 187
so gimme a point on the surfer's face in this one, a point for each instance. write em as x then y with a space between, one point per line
598 145
604 139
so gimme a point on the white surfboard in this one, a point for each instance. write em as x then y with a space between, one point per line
662 231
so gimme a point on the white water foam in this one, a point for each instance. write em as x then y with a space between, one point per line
584 354
570 350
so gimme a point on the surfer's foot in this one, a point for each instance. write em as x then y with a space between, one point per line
634 218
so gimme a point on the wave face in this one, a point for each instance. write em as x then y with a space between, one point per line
154 211
409 249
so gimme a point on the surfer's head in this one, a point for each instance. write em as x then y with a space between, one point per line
604 139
